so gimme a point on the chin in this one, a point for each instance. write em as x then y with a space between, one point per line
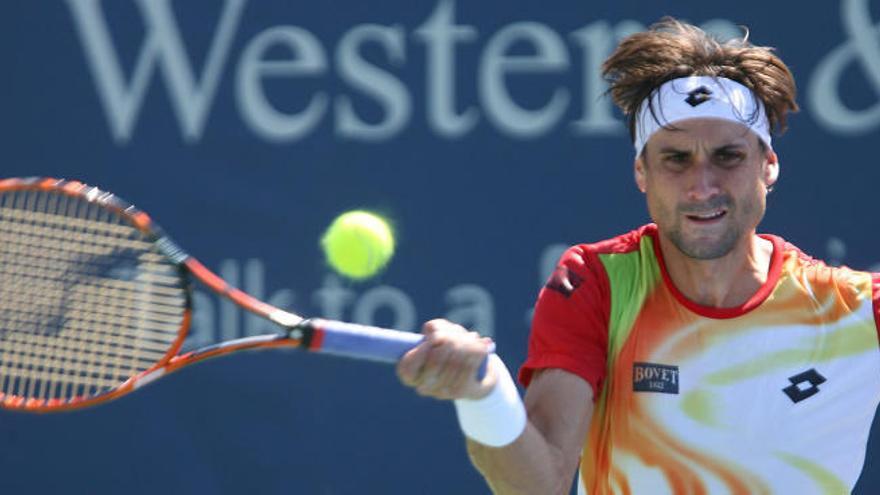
705 248
706 252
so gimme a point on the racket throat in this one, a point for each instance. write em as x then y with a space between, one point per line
307 333
296 328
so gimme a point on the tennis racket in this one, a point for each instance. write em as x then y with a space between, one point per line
96 301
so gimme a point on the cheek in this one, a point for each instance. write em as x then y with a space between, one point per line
753 201
658 207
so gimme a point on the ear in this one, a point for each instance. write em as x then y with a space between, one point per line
639 174
771 171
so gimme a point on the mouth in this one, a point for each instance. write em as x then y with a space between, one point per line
707 217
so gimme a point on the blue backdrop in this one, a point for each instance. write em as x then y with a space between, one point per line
480 128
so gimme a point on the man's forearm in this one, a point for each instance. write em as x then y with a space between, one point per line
529 465
544 458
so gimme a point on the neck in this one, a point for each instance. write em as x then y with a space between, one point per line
724 282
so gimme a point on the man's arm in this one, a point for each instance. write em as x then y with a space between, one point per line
545 457
559 405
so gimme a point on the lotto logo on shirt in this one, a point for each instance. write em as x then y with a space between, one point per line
650 377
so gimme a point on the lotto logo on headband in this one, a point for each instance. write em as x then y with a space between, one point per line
698 96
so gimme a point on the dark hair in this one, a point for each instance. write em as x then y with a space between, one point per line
671 49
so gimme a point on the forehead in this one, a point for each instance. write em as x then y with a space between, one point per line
703 132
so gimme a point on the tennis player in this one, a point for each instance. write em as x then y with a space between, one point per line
691 355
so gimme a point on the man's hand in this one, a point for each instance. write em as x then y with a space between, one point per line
446 364
544 456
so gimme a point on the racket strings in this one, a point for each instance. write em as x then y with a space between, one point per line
86 301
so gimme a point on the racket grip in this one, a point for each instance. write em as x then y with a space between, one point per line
366 342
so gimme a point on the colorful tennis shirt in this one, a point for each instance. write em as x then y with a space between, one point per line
776 396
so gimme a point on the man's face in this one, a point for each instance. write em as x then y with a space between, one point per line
706 184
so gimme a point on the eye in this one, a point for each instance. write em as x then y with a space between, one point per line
676 161
728 157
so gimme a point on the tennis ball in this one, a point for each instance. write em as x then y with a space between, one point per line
358 244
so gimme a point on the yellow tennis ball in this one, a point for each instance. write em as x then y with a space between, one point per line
358 244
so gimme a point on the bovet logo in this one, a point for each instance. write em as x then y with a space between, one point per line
652 377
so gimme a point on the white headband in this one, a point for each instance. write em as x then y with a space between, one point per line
700 97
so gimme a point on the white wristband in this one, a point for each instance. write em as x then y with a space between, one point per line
498 418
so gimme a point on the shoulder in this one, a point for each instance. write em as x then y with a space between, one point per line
853 286
584 254
817 271
623 243
581 273
598 258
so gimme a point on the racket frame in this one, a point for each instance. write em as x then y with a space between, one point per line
297 331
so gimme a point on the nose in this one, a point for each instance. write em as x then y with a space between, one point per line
702 181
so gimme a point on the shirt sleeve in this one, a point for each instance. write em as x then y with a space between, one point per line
570 322
875 297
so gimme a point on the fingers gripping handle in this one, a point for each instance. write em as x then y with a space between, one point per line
365 342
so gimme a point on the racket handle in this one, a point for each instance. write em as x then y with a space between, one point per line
365 342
